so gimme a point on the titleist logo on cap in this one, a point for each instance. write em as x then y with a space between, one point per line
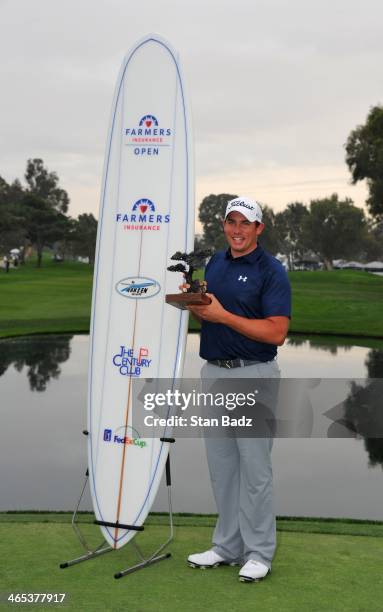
240 203
248 208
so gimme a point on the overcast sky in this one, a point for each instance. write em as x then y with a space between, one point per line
275 86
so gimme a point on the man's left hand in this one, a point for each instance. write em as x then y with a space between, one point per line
214 312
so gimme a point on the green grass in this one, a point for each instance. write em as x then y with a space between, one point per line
341 302
338 302
57 297
337 526
316 572
54 298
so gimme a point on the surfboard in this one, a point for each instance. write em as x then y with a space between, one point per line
146 215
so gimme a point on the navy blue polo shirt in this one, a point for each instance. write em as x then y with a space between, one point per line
254 286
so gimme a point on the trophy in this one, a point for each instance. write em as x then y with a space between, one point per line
194 295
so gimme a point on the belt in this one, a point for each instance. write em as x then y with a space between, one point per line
233 363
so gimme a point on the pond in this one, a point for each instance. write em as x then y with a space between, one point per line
43 387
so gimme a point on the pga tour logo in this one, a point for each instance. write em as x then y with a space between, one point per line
120 437
138 287
131 364
143 216
148 136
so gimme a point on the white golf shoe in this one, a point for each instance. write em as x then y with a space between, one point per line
253 571
207 559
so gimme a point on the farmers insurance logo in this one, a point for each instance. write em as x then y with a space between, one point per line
148 137
143 216
137 287
120 436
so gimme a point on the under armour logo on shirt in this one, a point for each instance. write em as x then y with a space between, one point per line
242 278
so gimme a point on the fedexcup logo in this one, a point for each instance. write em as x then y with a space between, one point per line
148 137
138 287
124 435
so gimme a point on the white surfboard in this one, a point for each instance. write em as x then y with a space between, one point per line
146 215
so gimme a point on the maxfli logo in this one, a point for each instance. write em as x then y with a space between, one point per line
138 287
143 216
148 137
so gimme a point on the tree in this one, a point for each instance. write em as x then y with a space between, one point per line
3 190
35 214
373 242
44 205
334 229
269 238
12 229
83 235
364 157
211 213
15 193
44 185
289 226
44 224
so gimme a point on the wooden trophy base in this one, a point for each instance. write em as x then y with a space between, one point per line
183 300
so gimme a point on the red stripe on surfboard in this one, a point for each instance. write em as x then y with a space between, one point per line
122 470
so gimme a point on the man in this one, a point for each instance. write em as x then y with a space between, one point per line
247 319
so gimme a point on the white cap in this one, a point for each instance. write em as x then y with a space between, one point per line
249 208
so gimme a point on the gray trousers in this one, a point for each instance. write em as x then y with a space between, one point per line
242 482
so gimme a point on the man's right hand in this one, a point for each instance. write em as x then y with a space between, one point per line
184 287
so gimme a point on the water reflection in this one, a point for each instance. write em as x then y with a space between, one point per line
325 343
40 355
42 463
329 344
360 415
363 409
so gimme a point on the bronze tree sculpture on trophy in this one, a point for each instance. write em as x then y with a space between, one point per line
195 289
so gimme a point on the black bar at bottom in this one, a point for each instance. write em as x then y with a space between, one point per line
119 525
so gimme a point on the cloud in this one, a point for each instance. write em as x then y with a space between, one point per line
276 85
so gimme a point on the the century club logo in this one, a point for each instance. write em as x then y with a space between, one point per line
129 363
143 216
148 137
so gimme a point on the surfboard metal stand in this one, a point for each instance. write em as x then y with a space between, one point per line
105 548
156 556
90 554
